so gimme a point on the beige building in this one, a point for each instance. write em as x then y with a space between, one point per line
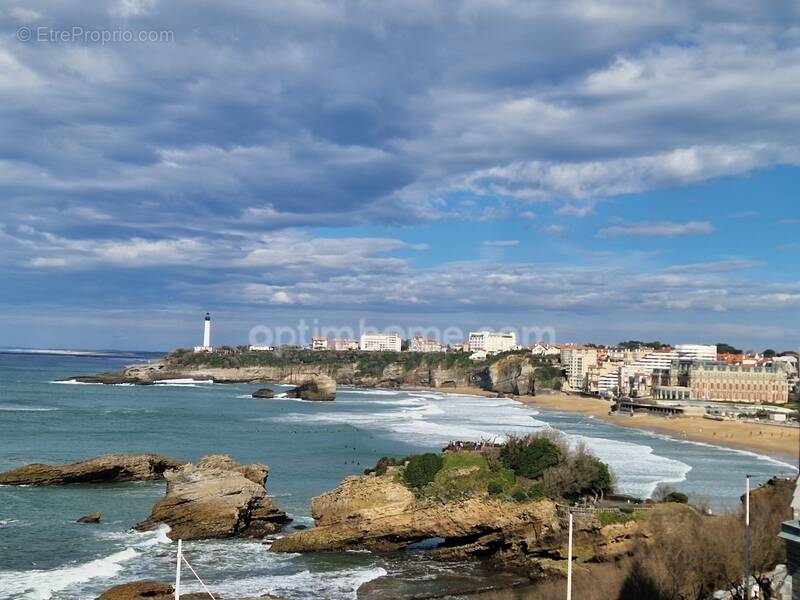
342 344
577 362
722 382
738 383
421 344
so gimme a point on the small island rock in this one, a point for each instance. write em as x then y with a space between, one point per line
110 468
216 498
90 518
313 387
264 393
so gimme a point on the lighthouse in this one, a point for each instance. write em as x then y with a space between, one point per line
206 347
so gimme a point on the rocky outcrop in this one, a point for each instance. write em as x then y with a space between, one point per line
151 590
110 468
312 387
380 514
513 374
90 518
216 498
264 393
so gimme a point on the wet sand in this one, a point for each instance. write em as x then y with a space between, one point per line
770 439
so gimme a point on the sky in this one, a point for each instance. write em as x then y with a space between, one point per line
598 171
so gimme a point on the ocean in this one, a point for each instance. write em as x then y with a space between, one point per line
310 447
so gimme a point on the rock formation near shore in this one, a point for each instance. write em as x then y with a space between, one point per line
151 590
216 498
90 518
264 393
110 468
380 514
312 387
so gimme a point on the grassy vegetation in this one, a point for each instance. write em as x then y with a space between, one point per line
525 469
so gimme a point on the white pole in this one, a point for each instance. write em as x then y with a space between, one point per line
178 572
569 560
747 539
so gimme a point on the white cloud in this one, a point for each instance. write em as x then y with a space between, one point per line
500 243
658 229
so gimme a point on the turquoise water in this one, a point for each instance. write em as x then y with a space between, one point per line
309 446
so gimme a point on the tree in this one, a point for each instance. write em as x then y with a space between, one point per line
421 469
724 348
529 456
769 353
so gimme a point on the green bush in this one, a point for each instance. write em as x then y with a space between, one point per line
529 456
536 490
384 463
421 469
519 495
678 497
495 487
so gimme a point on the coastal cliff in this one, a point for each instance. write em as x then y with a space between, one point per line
507 373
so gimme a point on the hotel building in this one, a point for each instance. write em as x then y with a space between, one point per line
380 342
492 341
577 362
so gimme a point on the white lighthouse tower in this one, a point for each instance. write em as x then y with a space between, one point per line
206 347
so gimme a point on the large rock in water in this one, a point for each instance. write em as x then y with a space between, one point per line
102 469
312 387
264 393
151 590
216 498
381 514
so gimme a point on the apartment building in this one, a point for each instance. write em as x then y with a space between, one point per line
380 342
421 344
342 344
492 341
576 362
319 343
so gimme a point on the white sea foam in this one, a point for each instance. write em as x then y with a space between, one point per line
638 470
19 408
73 382
42 584
762 457
369 392
333 585
187 382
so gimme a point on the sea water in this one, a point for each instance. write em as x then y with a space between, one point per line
309 446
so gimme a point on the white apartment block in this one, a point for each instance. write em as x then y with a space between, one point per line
492 341
696 351
380 342
576 362
319 343
421 344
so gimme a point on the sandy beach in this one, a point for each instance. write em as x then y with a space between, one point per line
769 439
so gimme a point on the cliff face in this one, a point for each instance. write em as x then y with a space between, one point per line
513 373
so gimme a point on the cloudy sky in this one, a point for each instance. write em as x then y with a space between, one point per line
610 170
